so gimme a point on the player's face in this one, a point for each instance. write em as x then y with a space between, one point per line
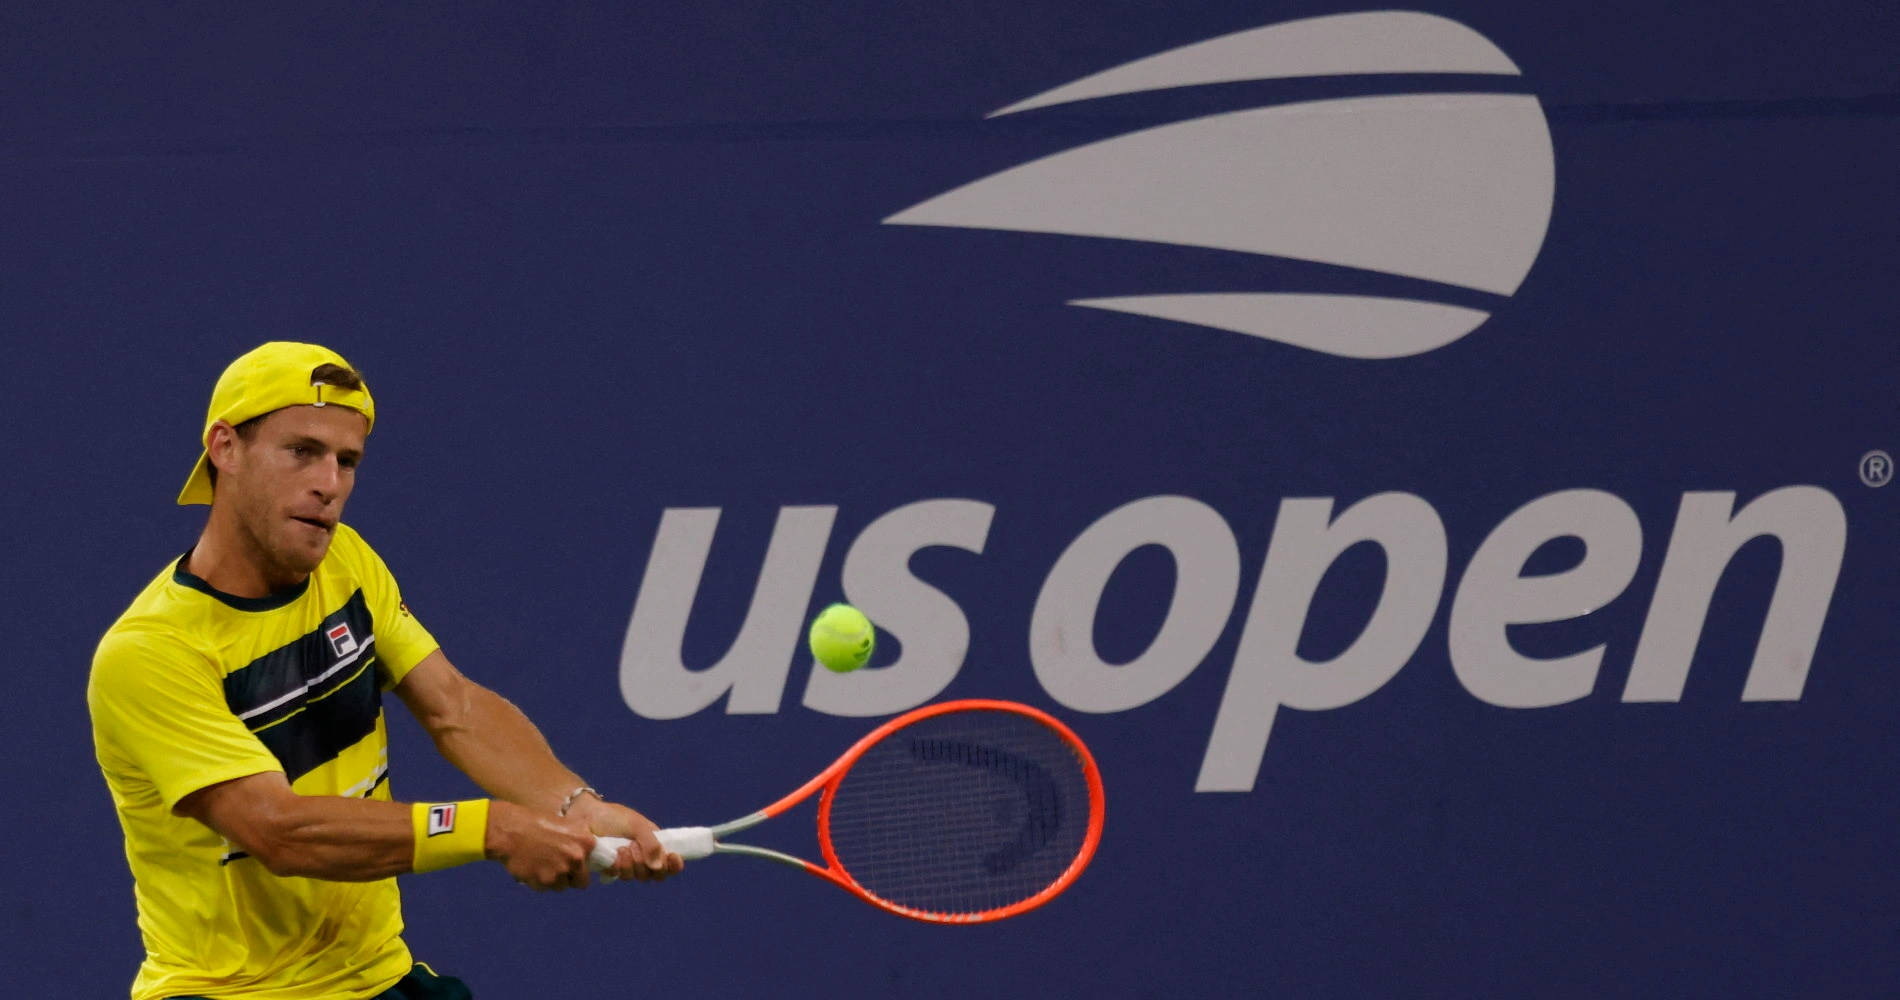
288 483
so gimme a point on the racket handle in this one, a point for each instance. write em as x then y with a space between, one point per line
606 851
689 842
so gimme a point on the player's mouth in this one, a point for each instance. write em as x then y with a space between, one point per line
317 523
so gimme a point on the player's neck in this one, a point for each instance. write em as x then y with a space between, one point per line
228 559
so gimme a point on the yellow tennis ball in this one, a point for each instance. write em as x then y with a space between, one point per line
841 638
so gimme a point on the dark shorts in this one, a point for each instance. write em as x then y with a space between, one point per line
420 984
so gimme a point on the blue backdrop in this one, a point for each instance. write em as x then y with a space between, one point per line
1458 522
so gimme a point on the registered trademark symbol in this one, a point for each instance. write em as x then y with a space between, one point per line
1876 468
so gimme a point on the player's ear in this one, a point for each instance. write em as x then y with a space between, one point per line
221 444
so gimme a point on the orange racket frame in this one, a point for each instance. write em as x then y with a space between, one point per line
699 842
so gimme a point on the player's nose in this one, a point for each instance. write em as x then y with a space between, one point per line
327 479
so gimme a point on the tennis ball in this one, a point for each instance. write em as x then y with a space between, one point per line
841 638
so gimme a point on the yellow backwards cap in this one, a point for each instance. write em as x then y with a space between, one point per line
269 378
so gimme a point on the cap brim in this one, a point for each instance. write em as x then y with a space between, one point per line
198 487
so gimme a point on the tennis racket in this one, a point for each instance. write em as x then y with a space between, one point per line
959 812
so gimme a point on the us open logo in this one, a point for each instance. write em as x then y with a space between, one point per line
1449 188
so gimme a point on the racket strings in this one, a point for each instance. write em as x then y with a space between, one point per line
962 813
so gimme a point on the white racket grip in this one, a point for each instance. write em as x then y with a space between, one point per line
606 851
689 842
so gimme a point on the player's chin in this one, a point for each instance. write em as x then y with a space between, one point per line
305 549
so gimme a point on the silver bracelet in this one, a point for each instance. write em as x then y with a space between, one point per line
574 795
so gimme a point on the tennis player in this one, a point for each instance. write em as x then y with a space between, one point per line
237 716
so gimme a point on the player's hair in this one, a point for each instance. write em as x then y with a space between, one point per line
325 374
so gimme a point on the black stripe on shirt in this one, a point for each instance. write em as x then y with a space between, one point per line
314 696
270 686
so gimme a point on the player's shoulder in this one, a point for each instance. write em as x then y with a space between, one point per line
349 554
348 544
347 539
158 608
353 554
135 652
160 621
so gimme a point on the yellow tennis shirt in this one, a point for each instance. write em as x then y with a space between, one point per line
191 687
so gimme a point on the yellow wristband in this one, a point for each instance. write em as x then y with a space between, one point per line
449 833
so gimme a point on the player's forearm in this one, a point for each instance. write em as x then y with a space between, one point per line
501 750
342 840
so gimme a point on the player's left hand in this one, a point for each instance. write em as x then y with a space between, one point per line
643 860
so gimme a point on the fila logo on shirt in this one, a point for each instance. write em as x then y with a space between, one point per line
442 819
341 639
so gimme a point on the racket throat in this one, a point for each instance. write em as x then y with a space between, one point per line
766 853
695 842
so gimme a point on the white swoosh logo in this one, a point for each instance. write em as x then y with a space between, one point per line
1385 41
1450 188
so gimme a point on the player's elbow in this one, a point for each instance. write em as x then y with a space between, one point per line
258 816
273 838
277 861
285 860
277 854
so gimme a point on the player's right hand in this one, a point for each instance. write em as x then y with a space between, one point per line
542 852
643 860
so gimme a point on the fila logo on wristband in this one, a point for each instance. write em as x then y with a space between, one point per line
441 819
